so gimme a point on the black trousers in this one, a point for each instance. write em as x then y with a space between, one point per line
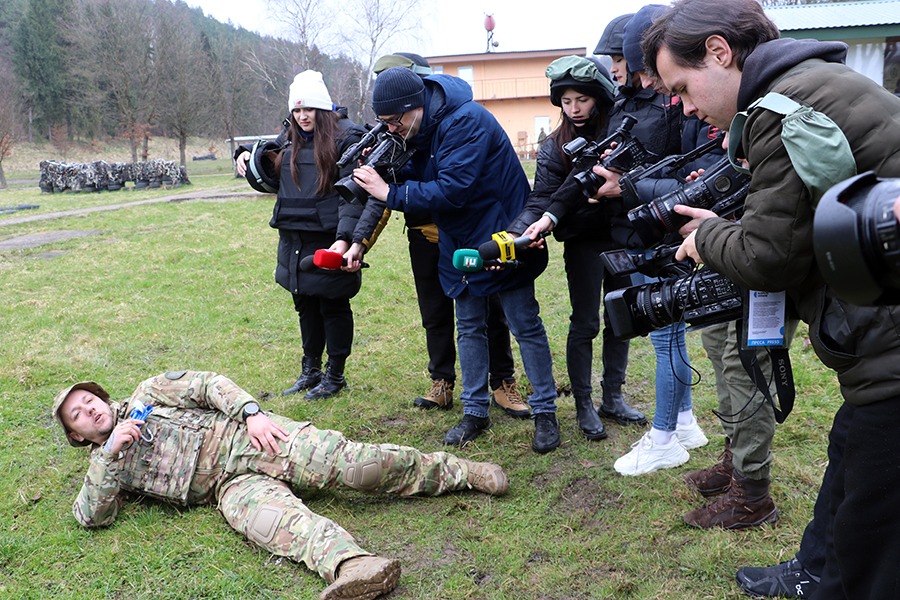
862 561
818 533
588 282
325 323
438 317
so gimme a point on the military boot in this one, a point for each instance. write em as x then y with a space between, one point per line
310 376
363 578
614 407
440 396
332 382
716 479
746 504
507 397
486 477
588 419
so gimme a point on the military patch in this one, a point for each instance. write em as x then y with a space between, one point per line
173 375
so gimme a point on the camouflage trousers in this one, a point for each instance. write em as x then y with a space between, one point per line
259 498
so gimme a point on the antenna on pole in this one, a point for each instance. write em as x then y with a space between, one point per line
489 28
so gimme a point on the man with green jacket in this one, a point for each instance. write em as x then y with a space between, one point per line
720 66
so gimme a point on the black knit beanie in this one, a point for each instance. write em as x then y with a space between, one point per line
397 90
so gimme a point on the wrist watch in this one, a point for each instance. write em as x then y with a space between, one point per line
249 410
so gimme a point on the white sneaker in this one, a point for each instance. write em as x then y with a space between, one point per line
690 436
646 457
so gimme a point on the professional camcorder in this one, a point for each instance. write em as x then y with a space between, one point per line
387 156
628 153
697 297
857 240
720 189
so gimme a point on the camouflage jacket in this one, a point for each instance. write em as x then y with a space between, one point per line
186 448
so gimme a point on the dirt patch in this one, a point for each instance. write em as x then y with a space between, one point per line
39 239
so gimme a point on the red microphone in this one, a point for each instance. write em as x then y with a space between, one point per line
325 259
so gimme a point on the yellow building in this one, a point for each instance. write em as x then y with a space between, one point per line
513 87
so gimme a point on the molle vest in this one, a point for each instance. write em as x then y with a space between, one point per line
299 208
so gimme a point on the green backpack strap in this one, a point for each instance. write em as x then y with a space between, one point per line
819 150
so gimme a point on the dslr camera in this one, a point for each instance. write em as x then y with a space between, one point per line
856 238
697 297
628 153
720 189
387 155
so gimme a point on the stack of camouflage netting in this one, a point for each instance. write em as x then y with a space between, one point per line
101 175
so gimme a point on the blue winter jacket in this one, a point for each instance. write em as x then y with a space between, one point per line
465 172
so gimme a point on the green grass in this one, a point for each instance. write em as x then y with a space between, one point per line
189 285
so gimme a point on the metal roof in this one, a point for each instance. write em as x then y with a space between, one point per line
835 15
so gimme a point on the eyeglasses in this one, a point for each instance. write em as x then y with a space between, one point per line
396 122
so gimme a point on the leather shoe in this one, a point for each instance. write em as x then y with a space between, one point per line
309 377
469 428
331 384
588 419
546 433
614 407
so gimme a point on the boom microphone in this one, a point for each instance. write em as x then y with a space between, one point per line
503 246
326 259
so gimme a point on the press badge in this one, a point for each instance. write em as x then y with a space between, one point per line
764 317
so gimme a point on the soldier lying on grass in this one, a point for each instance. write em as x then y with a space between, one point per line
194 437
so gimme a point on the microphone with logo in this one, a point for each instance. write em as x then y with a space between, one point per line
502 247
468 260
325 259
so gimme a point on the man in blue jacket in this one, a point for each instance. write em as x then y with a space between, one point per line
467 175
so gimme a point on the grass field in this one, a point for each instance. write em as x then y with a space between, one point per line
175 285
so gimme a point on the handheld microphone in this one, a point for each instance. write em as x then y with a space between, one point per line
325 259
503 246
469 261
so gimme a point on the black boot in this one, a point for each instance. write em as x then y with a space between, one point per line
546 433
310 376
614 407
588 419
332 382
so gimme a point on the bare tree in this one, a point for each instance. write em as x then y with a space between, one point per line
9 115
372 24
182 74
116 42
307 21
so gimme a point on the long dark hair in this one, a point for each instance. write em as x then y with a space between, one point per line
566 131
328 135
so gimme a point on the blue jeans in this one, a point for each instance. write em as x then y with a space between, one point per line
523 313
673 376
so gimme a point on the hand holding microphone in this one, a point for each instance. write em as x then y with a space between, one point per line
503 246
325 259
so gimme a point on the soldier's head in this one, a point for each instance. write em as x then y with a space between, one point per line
84 413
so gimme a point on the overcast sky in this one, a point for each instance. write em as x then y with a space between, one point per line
457 26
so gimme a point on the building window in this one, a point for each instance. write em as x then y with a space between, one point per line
467 74
437 69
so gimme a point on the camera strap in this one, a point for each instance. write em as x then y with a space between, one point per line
781 372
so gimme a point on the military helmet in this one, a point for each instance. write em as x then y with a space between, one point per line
586 75
415 63
261 173
611 40
90 386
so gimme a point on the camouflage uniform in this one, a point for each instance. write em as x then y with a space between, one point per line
195 450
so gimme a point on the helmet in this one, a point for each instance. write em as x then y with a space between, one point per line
260 170
413 62
90 386
611 40
586 75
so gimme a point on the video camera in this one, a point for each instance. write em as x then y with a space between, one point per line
628 153
387 156
720 189
697 297
856 239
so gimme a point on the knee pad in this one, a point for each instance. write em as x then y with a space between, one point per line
264 523
362 475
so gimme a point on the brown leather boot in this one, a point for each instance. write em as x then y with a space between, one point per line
440 396
746 504
716 479
508 398
363 578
